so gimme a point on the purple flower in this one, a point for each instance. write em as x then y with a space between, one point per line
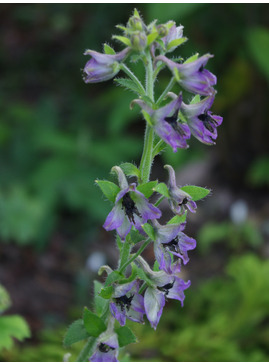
164 286
107 349
131 209
127 302
202 123
192 76
166 125
179 199
171 239
102 67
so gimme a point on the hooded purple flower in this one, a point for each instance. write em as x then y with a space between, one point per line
131 209
166 125
107 349
127 302
202 123
179 199
171 239
102 67
192 76
164 286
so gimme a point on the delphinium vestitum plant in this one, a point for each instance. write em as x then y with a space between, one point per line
135 290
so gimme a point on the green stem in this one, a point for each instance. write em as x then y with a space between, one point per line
133 77
167 89
134 256
86 352
147 157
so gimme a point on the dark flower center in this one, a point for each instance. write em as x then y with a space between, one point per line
129 207
166 287
124 302
184 201
172 245
172 120
201 68
208 121
104 348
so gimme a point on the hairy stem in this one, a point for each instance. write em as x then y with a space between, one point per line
147 156
134 256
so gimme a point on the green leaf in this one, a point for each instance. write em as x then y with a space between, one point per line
76 332
151 37
128 84
149 230
135 237
162 189
176 43
159 147
113 277
130 169
109 189
178 219
258 43
99 302
122 39
106 292
192 58
142 275
108 49
93 324
147 188
125 336
195 99
12 327
5 301
196 192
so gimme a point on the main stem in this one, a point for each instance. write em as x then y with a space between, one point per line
147 155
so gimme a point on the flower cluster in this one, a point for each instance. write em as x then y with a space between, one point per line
135 215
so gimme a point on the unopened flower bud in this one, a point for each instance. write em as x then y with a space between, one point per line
138 41
162 30
135 23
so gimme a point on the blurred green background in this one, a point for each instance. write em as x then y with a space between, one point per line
57 135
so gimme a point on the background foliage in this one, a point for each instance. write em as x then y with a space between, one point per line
57 135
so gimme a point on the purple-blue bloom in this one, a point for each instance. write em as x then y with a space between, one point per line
171 239
174 33
179 199
127 302
165 123
167 286
102 67
107 349
202 123
131 208
192 76
163 286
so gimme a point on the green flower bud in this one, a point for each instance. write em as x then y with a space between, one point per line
138 41
135 23
162 30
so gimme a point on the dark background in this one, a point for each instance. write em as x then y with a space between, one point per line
57 135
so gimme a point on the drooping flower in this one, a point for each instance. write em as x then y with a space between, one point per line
192 76
171 239
202 123
107 349
127 302
165 123
164 286
102 67
179 199
131 208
